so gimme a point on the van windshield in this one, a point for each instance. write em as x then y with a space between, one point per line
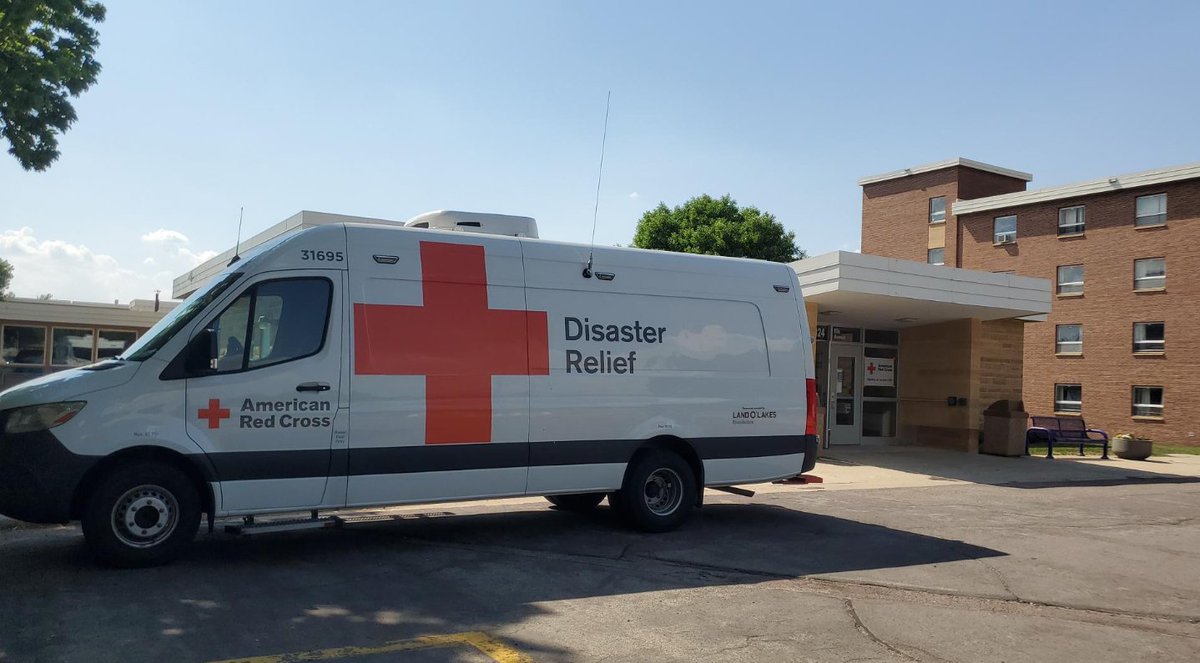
165 329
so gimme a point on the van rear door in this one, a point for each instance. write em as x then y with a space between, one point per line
264 409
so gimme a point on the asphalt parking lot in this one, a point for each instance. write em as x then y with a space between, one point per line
940 570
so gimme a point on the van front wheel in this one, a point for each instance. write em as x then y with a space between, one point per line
143 514
659 492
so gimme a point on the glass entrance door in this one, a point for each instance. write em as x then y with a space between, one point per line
845 376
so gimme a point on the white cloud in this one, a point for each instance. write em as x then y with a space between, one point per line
74 271
162 235
634 195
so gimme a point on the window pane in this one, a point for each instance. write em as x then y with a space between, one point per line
1149 337
1004 229
937 209
113 342
1151 210
1068 398
1068 338
937 256
289 320
1147 401
1070 279
230 330
1149 273
24 345
71 347
879 419
1070 220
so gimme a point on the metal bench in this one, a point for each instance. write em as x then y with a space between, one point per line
1065 432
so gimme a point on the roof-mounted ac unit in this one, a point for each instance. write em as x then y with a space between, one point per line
476 222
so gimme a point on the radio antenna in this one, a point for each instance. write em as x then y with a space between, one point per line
237 246
587 271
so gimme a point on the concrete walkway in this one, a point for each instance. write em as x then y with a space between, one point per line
910 467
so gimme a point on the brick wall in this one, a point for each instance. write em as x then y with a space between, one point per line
895 214
935 362
1108 369
895 218
998 351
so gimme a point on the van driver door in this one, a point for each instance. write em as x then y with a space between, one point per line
263 389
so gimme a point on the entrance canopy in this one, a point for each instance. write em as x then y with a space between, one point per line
886 293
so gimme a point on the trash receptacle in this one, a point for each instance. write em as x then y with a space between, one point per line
1004 425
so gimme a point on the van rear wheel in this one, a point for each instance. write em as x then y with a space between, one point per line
659 492
142 514
576 502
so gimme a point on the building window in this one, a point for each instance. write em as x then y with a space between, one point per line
1149 337
937 209
111 342
1068 398
24 346
71 347
1148 402
936 256
1150 274
1070 221
1004 229
1070 280
1151 210
1068 339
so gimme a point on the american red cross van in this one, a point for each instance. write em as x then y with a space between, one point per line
355 365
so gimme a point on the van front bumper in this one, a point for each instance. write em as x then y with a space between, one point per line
38 477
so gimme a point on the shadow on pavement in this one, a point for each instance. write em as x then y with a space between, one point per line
1012 472
370 584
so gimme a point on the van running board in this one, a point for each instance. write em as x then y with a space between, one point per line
251 526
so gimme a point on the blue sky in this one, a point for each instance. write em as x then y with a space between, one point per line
390 109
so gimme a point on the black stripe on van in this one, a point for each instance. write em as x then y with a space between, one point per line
260 465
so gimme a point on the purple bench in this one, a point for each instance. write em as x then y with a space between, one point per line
1067 432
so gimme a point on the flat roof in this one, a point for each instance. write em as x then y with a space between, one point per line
1091 187
948 163
887 293
138 313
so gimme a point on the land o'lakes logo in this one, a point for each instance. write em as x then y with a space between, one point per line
749 415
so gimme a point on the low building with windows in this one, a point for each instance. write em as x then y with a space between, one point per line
40 336
1120 346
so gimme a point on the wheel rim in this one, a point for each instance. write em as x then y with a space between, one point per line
663 491
145 516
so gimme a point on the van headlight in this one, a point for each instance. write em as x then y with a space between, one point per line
40 417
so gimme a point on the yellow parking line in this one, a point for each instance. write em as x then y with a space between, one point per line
491 647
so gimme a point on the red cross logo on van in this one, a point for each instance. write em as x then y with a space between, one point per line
214 413
454 340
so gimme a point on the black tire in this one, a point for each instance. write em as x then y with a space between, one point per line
576 502
659 492
142 514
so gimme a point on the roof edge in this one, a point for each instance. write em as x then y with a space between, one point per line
948 163
1090 187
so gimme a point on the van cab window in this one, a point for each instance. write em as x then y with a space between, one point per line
272 322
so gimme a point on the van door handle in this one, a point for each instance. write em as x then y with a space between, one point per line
312 386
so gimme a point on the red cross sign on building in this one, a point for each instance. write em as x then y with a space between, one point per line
214 413
454 340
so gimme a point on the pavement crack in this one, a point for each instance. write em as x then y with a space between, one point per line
999 577
848 605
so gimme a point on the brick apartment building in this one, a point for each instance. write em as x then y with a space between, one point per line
1120 346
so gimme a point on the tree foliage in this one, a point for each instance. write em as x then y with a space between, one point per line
46 57
6 272
717 226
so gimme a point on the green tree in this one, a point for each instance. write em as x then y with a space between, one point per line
717 226
46 49
6 272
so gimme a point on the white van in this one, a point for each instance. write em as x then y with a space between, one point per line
357 365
